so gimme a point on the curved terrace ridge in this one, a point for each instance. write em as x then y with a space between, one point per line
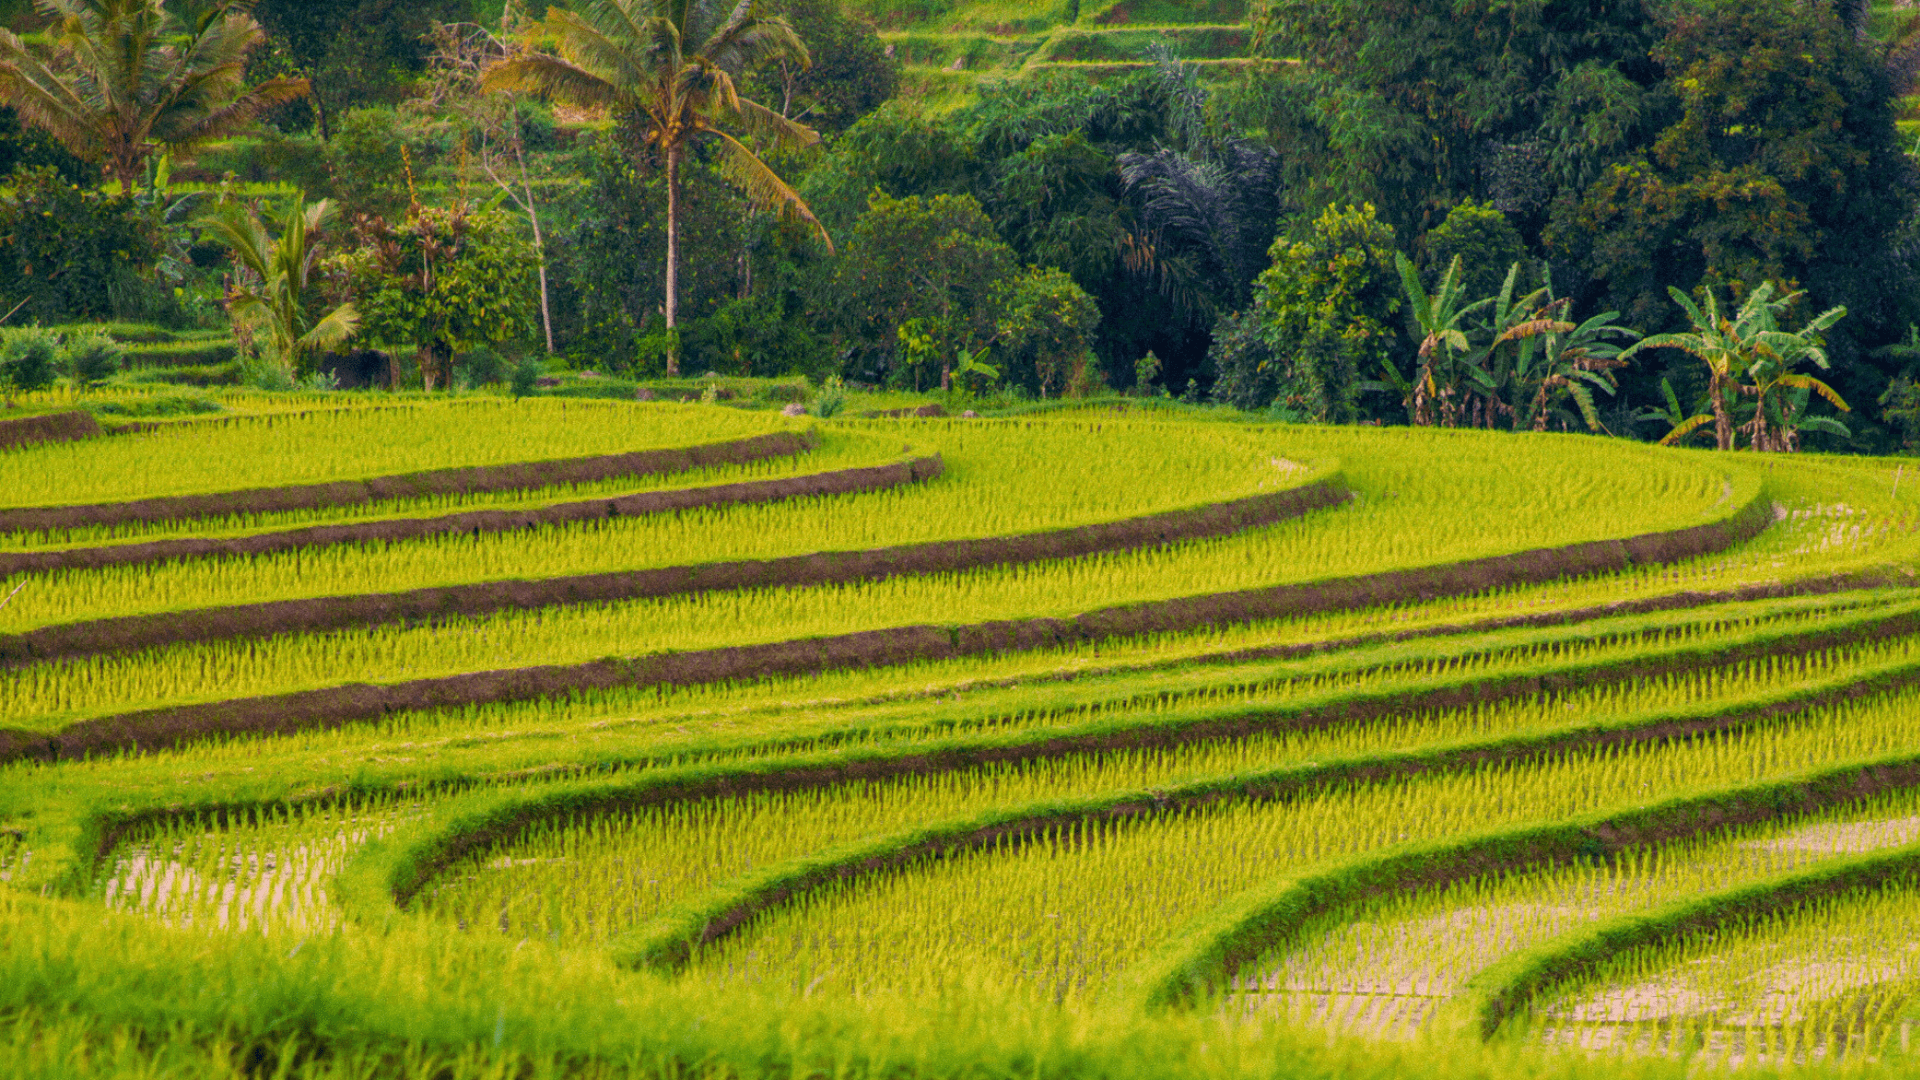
723 910
439 603
464 480
329 707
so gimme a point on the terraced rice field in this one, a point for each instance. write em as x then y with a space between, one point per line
1130 741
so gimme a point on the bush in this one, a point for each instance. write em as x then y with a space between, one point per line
74 253
27 359
91 359
481 367
830 400
525 376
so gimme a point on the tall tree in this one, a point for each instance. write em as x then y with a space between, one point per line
354 52
123 79
667 69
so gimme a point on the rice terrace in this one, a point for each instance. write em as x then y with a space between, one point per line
959 539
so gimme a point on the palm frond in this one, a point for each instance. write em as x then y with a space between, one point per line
764 188
335 327
550 75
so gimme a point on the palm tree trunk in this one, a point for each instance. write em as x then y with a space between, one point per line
673 259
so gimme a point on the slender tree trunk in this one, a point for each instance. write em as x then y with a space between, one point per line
539 238
673 260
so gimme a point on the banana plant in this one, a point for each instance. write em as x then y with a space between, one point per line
1749 344
1781 397
281 269
1511 323
1441 319
1559 359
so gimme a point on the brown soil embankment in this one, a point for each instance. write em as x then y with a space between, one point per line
339 705
821 568
459 481
46 428
836 482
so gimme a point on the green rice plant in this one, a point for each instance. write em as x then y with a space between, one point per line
850 708
1392 529
1100 474
264 872
57 692
1061 919
352 444
835 450
1392 962
671 851
1836 979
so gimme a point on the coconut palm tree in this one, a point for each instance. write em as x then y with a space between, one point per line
282 270
120 80
669 68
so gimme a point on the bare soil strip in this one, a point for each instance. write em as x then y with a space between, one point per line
335 706
417 606
456 481
50 427
836 482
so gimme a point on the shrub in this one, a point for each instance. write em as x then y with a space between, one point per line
526 375
481 367
830 400
27 359
91 359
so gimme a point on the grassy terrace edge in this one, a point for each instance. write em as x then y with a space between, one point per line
1495 996
417 606
400 869
466 480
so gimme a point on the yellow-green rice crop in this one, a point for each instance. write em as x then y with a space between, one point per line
593 732
1000 479
1063 919
353 444
1393 528
262 873
1417 950
56 692
1837 979
646 860
838 448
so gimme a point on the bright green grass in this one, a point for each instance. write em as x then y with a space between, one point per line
1064 919
594 878
1512 497
351 444
1001 478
